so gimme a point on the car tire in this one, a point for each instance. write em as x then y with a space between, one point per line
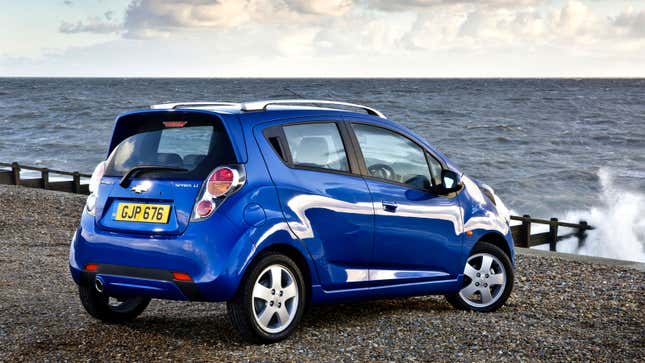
98 305
265 310
496 277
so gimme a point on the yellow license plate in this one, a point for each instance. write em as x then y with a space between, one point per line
148 213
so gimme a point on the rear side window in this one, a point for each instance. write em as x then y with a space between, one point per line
393 157
194 143
316 145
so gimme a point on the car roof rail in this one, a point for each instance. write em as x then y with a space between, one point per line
177 105
262 105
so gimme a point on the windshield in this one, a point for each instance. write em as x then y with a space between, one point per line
196 146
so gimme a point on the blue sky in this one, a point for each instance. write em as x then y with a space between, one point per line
333 38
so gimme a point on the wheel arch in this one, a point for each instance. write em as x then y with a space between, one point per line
293 253
498 240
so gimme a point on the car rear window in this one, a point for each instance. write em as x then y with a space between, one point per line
193 142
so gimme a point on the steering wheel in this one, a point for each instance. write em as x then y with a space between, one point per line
382 171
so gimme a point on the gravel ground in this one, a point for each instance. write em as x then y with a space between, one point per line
560 310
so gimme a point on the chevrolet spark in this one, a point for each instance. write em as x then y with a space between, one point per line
272 206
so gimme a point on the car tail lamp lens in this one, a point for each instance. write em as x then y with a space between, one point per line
221 181
95 181
220 184
180 276
97 175
204 208
92 267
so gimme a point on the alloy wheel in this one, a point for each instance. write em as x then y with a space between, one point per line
275 298
484 280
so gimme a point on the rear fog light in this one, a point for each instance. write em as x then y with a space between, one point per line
180 276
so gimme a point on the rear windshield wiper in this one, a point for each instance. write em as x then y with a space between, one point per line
125 181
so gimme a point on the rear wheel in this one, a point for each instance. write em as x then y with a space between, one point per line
488 280
111 309
270 301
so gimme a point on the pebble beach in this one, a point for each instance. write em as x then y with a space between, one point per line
560 310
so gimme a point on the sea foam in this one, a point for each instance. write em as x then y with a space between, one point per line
619 220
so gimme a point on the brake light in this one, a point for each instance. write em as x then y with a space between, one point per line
170 124
95 181
97 175
221 183
91 267
204 208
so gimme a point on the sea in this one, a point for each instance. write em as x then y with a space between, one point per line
567 148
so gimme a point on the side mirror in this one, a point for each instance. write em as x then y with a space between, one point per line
450 182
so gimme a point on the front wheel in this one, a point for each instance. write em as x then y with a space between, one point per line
270 301
488 280
111 309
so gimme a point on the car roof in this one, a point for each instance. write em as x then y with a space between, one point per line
257 112
270 106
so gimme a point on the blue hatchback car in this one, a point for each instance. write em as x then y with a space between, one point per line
275 205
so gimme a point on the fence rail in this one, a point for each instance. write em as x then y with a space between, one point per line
521 233
13 177
523 237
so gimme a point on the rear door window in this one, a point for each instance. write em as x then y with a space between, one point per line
316 145
195 145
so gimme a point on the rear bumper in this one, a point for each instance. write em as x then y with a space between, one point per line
210 252
135 281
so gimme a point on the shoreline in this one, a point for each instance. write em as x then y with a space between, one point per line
562 308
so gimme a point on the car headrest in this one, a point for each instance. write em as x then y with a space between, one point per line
193 159
170 159
312 150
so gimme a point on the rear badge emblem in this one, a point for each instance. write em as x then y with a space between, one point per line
141 188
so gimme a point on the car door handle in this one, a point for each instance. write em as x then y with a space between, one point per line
389 206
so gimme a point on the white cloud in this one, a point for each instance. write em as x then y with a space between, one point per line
92 25
144 17
407 5
630 23
378 37
572 25
320 7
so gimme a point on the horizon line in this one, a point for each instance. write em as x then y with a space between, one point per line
318 77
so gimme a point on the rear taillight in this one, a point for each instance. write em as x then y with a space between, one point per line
95 181
204 208
222 182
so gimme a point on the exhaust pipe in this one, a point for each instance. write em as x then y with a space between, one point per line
98 284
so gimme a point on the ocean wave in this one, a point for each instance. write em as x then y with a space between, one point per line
618 220
494 126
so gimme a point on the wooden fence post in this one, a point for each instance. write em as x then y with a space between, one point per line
15 173
76 187
553 234
525 236
582 233
44 174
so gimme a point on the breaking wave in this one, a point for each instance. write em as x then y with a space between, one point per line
619 221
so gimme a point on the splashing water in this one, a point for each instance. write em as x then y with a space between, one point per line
619 221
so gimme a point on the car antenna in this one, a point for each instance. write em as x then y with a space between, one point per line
294 93
298 95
